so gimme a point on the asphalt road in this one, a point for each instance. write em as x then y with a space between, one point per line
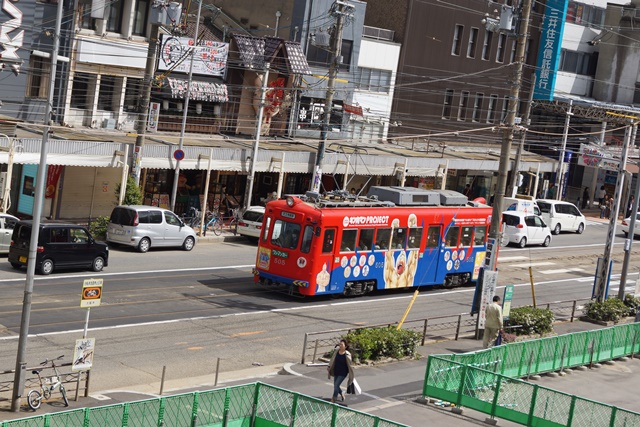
185 310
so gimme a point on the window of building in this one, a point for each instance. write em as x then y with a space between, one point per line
462 105
505 107
312 111
107 94
527 49
114 13
84 15
502 42
578 62
321 57
457 40
140 17
373 79
132 94
80 90
473 40
477 107
585 14
38 84
486 45
491 108
448 100
512 55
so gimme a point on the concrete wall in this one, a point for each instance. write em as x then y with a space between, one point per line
88 192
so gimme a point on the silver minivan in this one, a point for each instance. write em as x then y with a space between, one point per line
144 227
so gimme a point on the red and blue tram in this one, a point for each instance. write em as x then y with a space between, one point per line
349 245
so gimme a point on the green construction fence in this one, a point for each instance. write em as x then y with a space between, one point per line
249 405
488 380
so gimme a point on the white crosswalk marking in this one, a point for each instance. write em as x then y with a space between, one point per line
561 270
533 264
511 258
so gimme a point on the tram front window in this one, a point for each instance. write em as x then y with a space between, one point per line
285 234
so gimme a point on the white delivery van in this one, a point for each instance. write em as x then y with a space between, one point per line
521 205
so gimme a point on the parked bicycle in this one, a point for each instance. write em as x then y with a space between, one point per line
192 218
215 222
35 397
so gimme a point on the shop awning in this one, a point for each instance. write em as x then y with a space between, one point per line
199 91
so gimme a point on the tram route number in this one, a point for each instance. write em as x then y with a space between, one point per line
279 261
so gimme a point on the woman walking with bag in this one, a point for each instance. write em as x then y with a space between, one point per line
340 368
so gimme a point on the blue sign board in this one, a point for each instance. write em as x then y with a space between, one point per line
549 50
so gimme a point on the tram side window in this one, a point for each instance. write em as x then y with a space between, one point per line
365 242
451 239
327 242
348 242
433 237
467 235
307 236
267 227
415 237
285 234
399 238
383 237
479 237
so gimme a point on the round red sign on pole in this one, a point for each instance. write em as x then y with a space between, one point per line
178 155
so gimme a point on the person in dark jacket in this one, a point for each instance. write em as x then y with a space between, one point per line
340 368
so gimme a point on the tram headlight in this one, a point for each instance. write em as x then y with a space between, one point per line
290 201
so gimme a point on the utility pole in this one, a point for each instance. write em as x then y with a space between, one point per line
601 289
143 107
629 241
339 9
565 135
256 145
174 189
495 234
527 121
21 363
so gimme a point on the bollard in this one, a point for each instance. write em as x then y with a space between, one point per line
164 370
633 346
591 348
215 383
458 327
424 331
564 351
529 366
304 347
573 310
315 352
86 384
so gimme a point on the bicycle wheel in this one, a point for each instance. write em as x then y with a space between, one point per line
34 399
64 395
217 227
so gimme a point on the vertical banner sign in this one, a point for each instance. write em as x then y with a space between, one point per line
506 301
53 176
154 114
488 291
91 293
549 50
83 354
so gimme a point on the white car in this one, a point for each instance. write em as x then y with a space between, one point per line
7 223
250 225
522 229
636 228
561 216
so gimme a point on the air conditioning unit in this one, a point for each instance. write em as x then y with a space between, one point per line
109 124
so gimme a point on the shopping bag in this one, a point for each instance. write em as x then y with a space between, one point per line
498 339
356 387
351 389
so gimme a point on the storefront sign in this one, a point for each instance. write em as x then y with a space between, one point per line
210 57
549 51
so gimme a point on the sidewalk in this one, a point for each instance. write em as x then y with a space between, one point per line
390 390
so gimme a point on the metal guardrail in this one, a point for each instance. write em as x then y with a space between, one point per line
487 380
254 404
74 382
448 327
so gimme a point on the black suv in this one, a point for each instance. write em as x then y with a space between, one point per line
59 246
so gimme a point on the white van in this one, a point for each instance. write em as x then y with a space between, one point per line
521 205
562 216
145 226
